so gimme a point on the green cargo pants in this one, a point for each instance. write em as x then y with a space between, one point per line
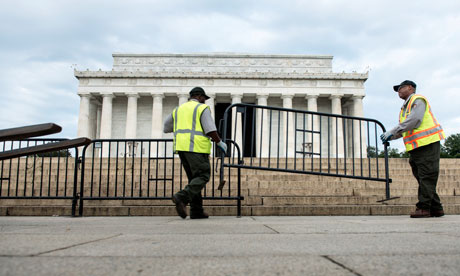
198 170
424 162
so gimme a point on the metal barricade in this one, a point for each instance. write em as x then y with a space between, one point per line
51 175
299 141
140 169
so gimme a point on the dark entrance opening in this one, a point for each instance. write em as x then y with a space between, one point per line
249 132
219 117
248 127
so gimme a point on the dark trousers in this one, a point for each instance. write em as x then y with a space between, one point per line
424 162
198 170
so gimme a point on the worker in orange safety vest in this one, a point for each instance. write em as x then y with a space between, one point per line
422 134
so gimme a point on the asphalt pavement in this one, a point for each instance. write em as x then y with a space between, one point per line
317 245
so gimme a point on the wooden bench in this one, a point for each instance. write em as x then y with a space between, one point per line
20 133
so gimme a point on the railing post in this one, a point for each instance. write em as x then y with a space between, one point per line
387 173
82 179
75 183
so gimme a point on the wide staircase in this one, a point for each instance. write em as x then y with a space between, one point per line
266 193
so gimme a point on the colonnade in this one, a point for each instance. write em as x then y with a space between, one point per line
95 119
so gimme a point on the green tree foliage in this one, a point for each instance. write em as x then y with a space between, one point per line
61 153
392 153
451 147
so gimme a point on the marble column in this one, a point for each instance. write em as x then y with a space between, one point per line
94 106
337 143
211 102
84 116
236 135
157 116
183 98
359 137
98 121
106 121
131 117
262 126
288 127
212 106
313 139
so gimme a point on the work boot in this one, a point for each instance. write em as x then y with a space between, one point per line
180 206
437 213
202 215
420 213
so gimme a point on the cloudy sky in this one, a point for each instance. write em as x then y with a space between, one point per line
42 41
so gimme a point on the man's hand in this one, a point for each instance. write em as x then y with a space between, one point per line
386 137
222 146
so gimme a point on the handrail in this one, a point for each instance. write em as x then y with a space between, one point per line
19 133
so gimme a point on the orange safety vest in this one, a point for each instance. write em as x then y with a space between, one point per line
428 132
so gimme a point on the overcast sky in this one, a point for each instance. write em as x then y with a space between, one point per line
41 41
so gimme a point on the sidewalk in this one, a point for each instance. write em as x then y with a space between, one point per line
369 245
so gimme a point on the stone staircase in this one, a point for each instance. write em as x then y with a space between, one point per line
265 192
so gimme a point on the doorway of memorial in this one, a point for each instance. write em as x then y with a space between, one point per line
246 128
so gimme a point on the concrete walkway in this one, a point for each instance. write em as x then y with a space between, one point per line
371 245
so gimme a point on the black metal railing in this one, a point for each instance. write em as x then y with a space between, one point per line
299 141
49 175
140 169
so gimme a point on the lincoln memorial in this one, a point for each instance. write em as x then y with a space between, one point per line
131 100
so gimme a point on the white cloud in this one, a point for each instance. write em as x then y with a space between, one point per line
395 40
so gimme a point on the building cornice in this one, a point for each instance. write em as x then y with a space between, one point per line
220 55
206 75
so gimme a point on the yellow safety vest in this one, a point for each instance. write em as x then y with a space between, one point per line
428 132
188 132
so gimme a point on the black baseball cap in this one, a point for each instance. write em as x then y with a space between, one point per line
406 82
198 91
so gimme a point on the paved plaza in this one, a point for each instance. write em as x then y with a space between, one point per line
353 245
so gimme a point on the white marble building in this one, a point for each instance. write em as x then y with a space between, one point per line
121 103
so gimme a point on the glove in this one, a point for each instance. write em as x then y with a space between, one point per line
222 146
386 137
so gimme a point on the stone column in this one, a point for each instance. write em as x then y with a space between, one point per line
336 104
262 126
359 148
237 135
288 127
131 124
131 117
106 121
212 106
313 106
211 103
157 116
84 116
98 127
183 98
93 107
98 121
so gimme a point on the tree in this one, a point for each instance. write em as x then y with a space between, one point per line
371 152
451 147
392 153
61 153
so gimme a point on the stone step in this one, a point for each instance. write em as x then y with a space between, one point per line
316 186
343 192
346 200
317 210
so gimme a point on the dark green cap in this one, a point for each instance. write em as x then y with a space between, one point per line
198 91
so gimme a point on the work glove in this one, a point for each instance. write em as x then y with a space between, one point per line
386 137
222 146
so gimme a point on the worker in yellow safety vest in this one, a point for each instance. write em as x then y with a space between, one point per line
193 127
421 134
